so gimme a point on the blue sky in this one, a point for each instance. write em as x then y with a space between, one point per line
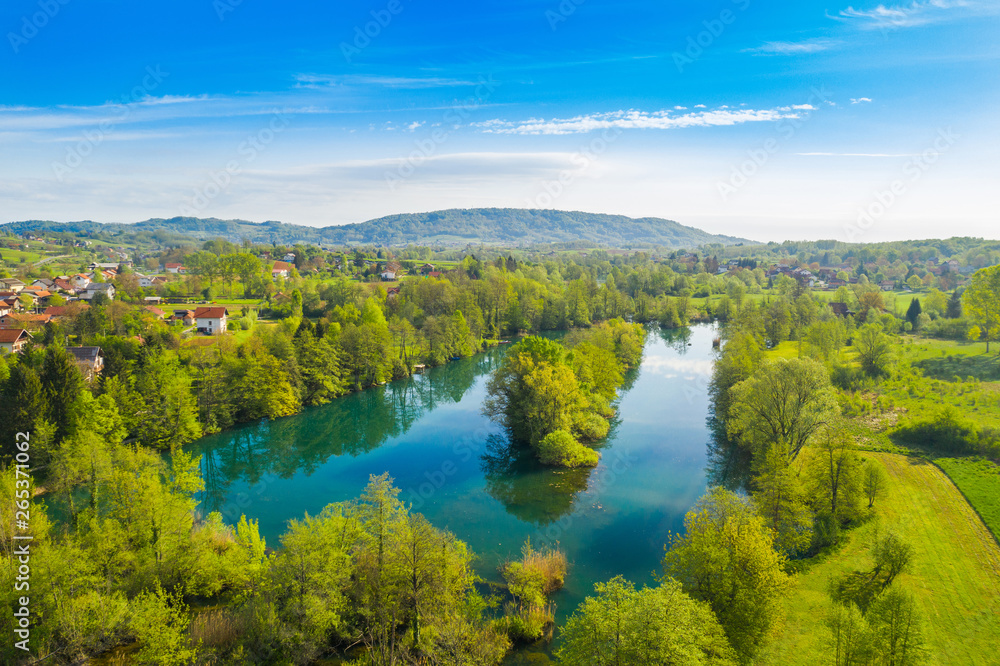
852 120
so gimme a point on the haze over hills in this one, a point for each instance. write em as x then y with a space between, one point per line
501 226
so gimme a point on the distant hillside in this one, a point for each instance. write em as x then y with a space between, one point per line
500 226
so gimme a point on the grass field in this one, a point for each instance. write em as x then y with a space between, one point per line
979 481
955 574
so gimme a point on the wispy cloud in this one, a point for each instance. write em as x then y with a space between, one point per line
860 100
854 154
793 48
917 13
319 81
633 119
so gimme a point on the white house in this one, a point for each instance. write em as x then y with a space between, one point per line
12 340
281 269
79 281
290 257
388 275
211 320
95 288
175 268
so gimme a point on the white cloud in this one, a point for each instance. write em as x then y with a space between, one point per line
914 14
633 119
860 100
793 48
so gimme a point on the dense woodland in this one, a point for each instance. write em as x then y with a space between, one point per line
120 558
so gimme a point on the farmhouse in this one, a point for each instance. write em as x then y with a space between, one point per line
211 320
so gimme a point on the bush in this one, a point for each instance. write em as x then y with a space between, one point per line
946 430
561 450
591 427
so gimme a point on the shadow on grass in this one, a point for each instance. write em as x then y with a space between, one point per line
985 367
858 587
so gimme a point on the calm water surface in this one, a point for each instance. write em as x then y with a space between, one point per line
456 467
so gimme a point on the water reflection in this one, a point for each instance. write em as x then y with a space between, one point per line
354 425
527 489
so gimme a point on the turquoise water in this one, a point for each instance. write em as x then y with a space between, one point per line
457 468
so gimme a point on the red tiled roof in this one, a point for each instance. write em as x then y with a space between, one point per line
11 335
214 312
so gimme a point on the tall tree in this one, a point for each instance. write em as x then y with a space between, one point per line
784 402
981 301
727 557
657 626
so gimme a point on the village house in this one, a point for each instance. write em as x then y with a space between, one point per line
44 283
11 284
96 266
95 288
12 340
80 281
281 269
211 320
387 275
175 268
289 257
157 312
59 311
24 320
426 268
90 360
184 316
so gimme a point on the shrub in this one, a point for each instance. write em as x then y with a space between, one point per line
561 450
591 427
946 430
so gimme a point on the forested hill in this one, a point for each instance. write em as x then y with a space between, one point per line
502 226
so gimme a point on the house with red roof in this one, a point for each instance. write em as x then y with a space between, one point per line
12 340
211 320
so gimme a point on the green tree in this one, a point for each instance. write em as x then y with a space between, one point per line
897 629
874 480
785 402
658 626
913 311
777 492
159 622
981 302
874 349
24 405
62 384
727 558
168 417
851 639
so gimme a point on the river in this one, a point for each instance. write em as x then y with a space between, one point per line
456 467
